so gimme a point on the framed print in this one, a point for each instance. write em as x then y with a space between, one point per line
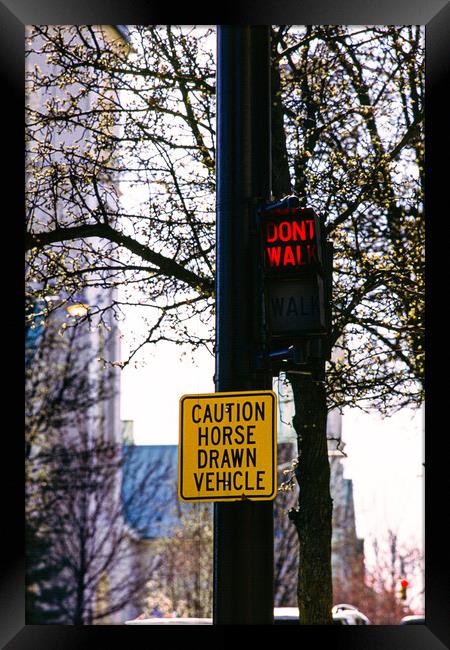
15 15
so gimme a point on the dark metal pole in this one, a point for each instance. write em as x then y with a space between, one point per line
243 531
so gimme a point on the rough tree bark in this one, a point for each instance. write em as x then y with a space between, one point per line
313 517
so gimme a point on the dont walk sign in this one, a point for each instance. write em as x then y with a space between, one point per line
296 263
227 446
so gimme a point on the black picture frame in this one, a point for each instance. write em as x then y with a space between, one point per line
14 15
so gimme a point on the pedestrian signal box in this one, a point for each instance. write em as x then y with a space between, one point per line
296 265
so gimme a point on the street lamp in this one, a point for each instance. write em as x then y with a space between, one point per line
78 307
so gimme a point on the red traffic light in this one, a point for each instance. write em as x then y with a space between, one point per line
404 583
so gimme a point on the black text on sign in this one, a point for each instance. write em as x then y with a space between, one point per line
227 447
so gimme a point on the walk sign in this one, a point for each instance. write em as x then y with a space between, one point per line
227 446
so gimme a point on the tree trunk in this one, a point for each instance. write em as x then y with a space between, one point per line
313 517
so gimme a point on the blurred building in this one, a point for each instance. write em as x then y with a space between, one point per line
347 549
155 515
160 514
72 343
96 344
127 432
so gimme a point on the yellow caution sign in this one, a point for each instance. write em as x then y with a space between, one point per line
227 446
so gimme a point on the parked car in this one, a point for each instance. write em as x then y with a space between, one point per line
285 615
342 615
158 620
413 619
